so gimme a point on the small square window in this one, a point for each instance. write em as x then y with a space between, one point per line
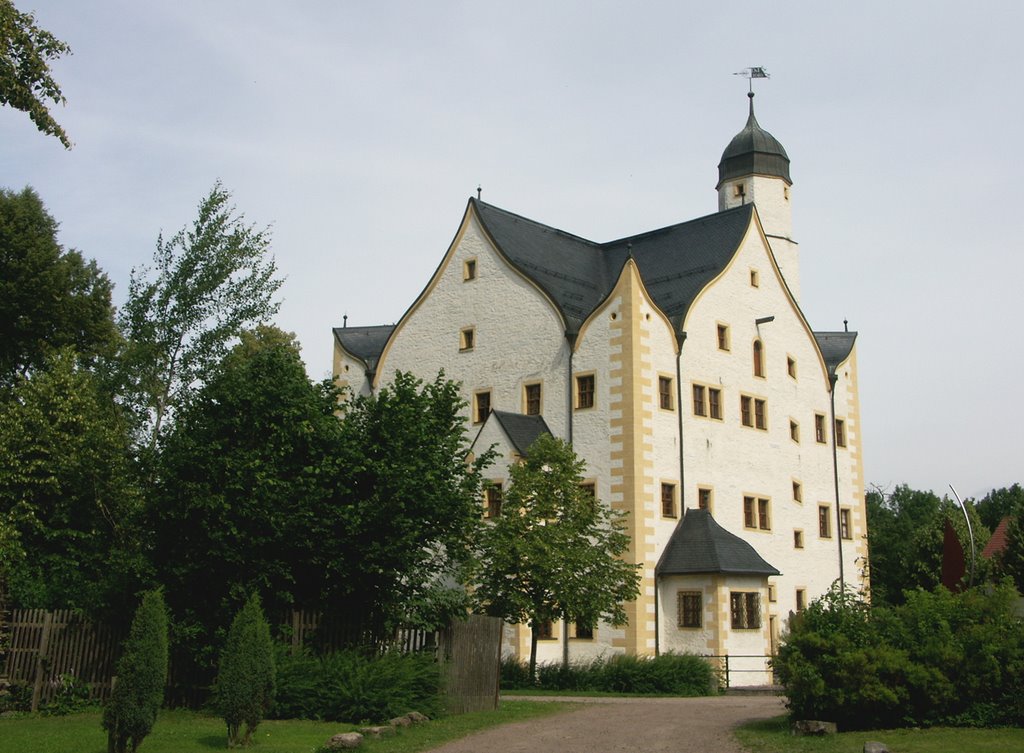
798 492
494 498
665 399
756 513
798 539
745 610
844 524
532 399
467 339
704 498
840 432
690 609
760 414
746 415
584 632
819 428
668 500
481 406
754 280
791 366
771 593
801 599
739 189
723 337
794 430
585 391
469 270
545 630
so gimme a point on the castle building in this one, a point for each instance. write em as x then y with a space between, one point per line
679 365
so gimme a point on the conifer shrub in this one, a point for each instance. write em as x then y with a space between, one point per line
245 682
138 693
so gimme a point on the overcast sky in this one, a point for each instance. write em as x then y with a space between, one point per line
358 130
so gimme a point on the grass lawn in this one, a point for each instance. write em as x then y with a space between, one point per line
773 736
190 732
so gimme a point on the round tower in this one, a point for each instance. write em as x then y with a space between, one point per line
755 170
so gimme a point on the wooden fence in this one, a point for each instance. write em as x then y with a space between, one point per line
45 648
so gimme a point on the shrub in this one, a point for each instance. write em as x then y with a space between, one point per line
245 682
138 692
940 658
71 697
352 686
669 674
515 674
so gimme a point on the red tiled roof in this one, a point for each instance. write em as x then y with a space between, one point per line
997 543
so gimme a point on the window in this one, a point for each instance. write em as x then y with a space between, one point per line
704 498
801 599
723 337
739 189
715 402
545 631
760 415
481 406
494 500
758 358
791 366
844 524
585 391
754 281
584 632
746 416
469 270
798 492
668 500
745 608
700 407
824 522
690 608
532 399
467 339
840 432
590 489
753 412
819 428
756 513
771 593
798 539
794 430
665 392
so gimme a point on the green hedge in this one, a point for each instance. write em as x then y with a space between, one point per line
668 674
351 686
940 658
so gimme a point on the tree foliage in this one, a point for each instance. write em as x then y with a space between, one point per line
49 298
130 713
244 477
999 503
554 552
1011 560
68 489
905 540
26 83
245 682
207 284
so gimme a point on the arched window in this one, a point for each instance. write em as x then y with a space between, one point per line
758 358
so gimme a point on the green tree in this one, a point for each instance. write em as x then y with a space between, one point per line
1011 560
68 487
49 298
130 713
555 551
244 477
905 540
999 503
26 83
397 537
245 683
208 283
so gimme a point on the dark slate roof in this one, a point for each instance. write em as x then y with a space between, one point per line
365 343
753 151
700 545
835 347
675 262
522 430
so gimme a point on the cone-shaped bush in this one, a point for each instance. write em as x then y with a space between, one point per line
245 683
138 693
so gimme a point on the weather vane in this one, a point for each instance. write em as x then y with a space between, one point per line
751 73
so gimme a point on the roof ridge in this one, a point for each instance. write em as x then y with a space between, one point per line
535 223
667 228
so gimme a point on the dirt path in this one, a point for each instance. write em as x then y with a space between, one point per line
637 725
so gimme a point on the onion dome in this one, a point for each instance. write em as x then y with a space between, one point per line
753 151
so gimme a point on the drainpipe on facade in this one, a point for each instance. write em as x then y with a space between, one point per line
833 378
571 340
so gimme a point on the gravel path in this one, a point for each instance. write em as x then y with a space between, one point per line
637 725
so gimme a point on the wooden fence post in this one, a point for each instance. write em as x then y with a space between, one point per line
44 643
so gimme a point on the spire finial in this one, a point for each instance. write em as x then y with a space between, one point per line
479 191
344 321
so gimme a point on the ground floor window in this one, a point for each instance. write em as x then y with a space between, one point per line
690 608
745 607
